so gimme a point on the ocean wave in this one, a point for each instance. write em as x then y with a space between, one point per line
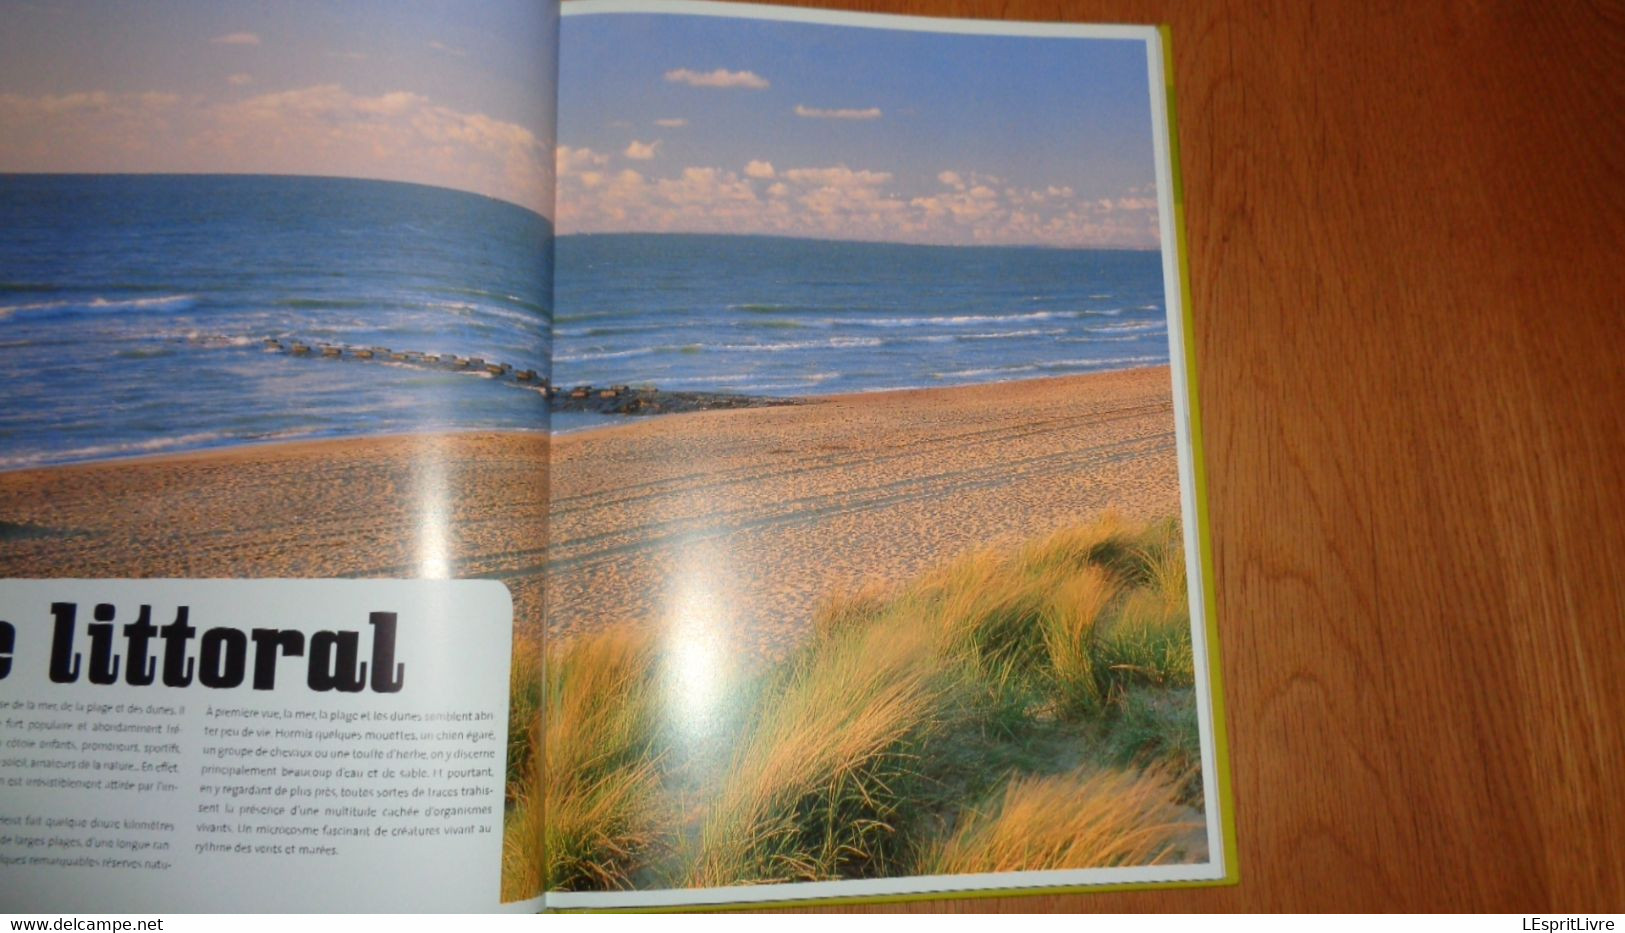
591 355
760 307
516 300
1047 366
769 388
829 343
609 331
1111 362
147 447
1099 338
97 305
1011 334
772 323
199 338
700 382
324 304
1129 327
986 371
580 317
953 320
690 349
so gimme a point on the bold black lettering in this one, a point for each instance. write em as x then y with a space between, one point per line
333 657
270 644
226 645
383 654
177 666
139 669
64 660
8 644
103 663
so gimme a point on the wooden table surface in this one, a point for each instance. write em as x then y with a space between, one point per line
1407 236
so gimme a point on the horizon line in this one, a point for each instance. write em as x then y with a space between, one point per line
582 233
230 174
825 239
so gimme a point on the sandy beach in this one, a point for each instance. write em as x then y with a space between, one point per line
734 522
404 506
732 525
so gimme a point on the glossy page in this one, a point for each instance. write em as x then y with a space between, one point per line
874 554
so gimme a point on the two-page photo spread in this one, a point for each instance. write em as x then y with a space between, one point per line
645 454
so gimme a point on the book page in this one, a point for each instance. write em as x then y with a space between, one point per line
875 566
275 306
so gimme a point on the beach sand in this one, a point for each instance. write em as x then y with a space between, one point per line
407 506
727 526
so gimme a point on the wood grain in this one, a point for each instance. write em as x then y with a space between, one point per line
1407 234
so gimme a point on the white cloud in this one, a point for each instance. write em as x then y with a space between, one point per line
439 46
321 130
841 202
85 102
571 159
642 151
328 130
838 176
720 77
844 113
86 131
236 38
671 122
240 80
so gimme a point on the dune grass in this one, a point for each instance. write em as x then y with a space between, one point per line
814 786
591 799
522 844
524 712
1084 819
1020 707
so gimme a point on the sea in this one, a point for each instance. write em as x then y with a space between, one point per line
135 312
791 317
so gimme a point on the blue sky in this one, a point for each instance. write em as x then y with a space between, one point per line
672 122
453 94
666 122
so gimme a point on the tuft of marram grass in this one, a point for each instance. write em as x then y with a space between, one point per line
1077 820
1155 561
600 781
524 711
1146 642
522 843
860 607
1158 728
524 862
1075 608
815 785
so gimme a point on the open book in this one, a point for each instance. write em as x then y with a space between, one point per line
817 515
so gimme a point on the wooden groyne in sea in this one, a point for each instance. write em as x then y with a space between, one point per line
603 400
